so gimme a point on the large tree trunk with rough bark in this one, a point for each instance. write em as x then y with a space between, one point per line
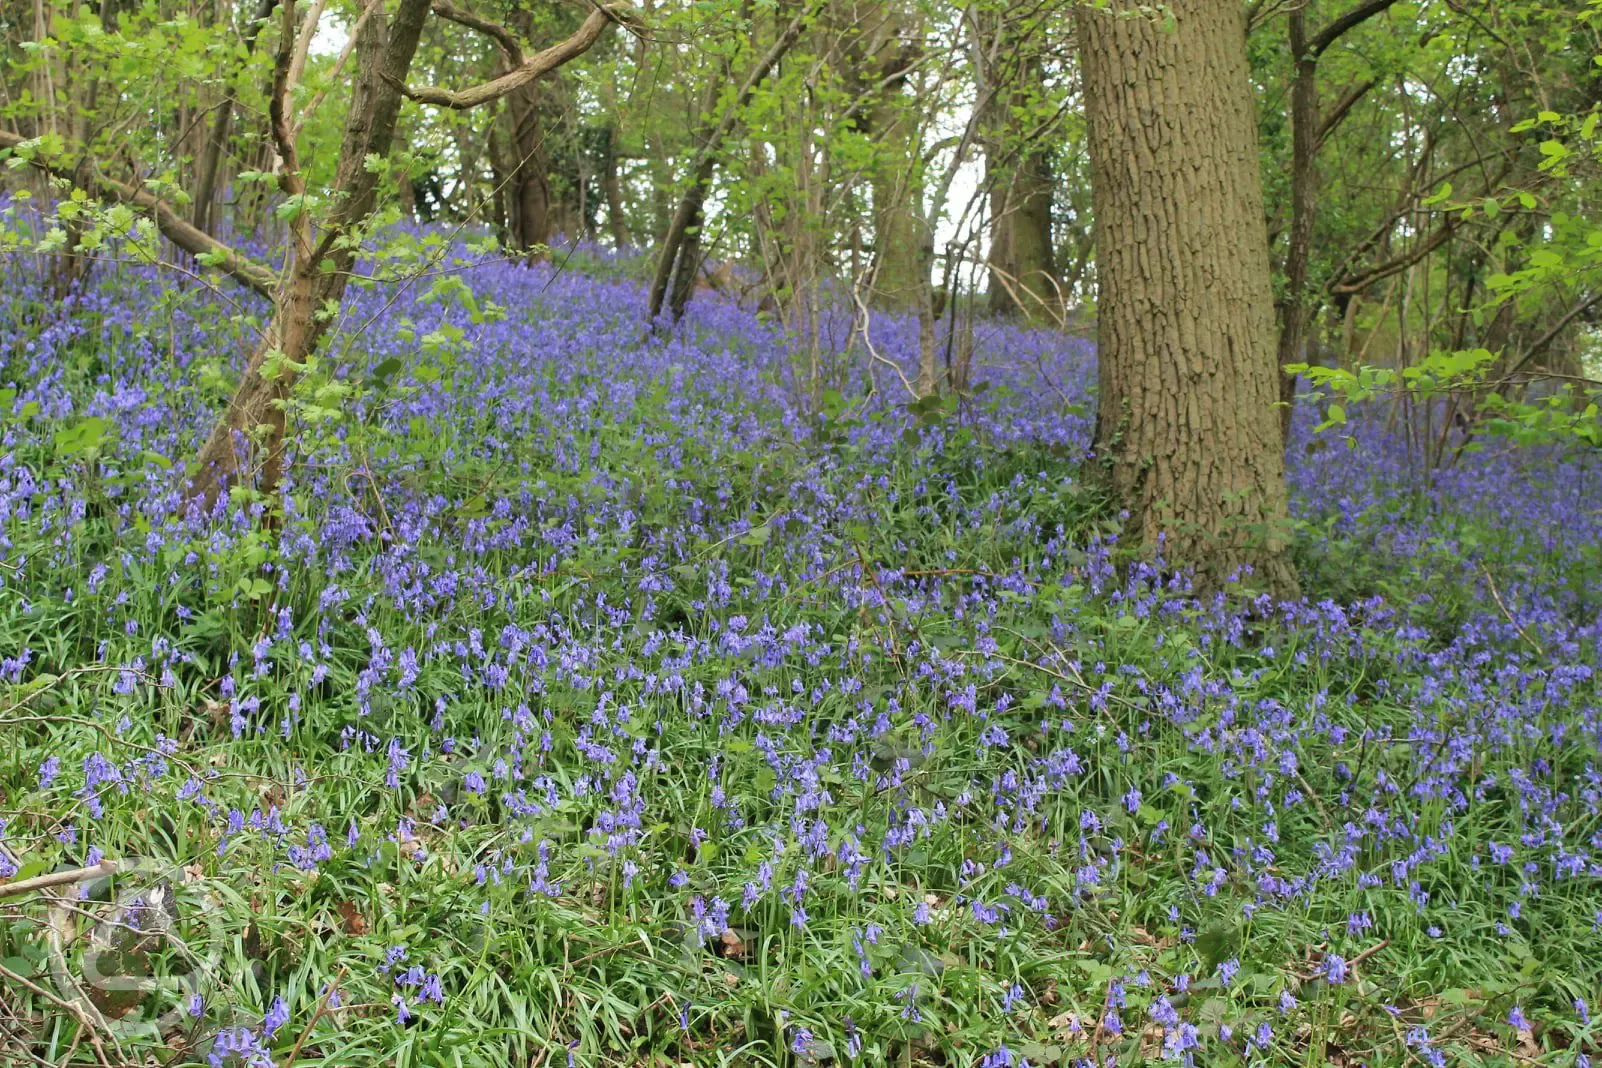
1186 428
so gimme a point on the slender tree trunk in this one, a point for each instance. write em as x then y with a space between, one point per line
205 194
661 171
617 219
255 420
1022 268
1304 180
679 256
928 308
1023 275
1186 427
500 175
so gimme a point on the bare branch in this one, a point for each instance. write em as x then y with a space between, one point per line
1539 345
533 67
308 30
500 34
339 64
1352 19
1340 109
1437 237
174 228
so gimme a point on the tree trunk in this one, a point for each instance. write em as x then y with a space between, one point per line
255 420
1304 122
530 191
929 308
1023 278
1018 172
500 178
901 267
616 215
205 194
1186 426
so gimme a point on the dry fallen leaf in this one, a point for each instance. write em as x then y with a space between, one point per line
351 921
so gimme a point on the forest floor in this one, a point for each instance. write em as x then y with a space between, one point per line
596 704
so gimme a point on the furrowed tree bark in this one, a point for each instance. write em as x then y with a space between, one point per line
1186 431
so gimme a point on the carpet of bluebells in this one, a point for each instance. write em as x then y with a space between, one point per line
596 702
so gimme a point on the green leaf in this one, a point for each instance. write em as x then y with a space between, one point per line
20 966
1217 944
80 437
916 959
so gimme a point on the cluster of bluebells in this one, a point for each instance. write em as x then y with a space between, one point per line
632 629
414 985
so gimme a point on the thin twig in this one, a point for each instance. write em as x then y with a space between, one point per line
82 1017
1497 595
322 1010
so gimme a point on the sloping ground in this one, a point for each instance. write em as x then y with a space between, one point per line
597 701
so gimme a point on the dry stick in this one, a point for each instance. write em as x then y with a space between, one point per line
1318 802
59 878
1353 963
322 1010
1497 594
86 669
1369 952
82 1017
